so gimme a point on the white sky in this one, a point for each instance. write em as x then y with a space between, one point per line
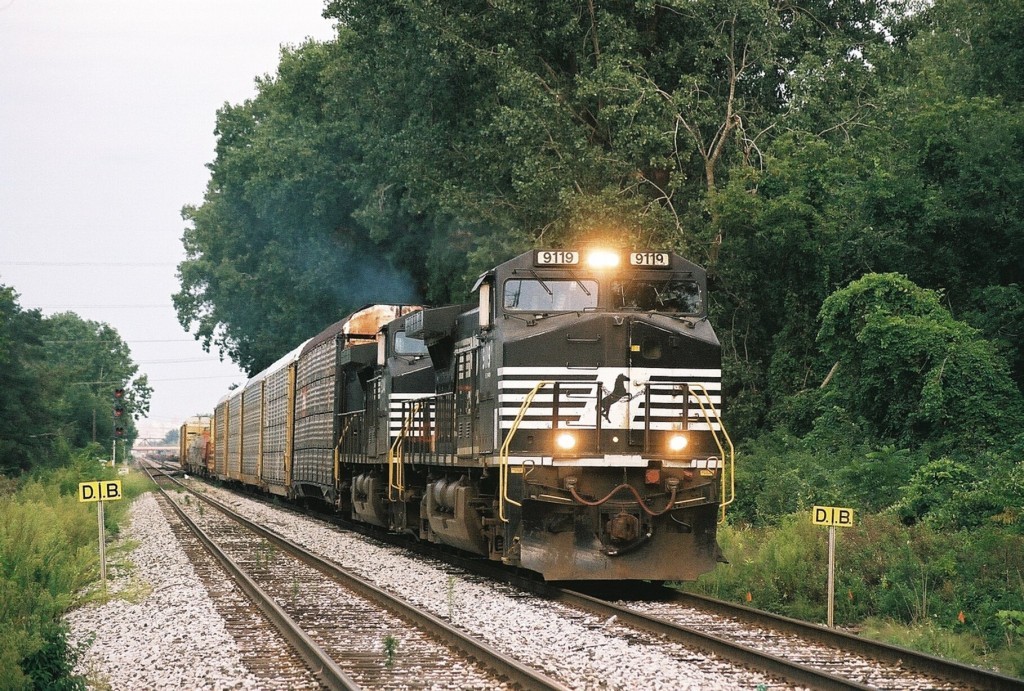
107 110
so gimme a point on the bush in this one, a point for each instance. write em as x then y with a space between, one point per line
915 576
48 553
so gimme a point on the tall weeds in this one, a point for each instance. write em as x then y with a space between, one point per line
955 583
48 553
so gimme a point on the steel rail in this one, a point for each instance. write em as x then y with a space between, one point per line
729 650
955 672
950 670
516 672
325 668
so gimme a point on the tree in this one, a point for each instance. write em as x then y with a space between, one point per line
90 361
514 124
273 254
26 418
913 373
57 379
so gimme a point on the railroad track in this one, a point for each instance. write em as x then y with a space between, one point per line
268 654
881 665
783 649
352 633
798 651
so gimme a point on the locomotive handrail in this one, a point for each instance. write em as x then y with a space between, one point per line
349 419
728 461
503 452
396 464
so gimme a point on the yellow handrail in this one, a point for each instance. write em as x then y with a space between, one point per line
337 449
503 452
396 464
728 463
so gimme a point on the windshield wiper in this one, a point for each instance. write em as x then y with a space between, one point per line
580 284
542 283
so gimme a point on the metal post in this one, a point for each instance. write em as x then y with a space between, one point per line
103 546
113 454
831 575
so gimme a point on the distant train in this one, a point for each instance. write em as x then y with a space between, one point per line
568 422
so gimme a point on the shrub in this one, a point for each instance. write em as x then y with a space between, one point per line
48 553
885 570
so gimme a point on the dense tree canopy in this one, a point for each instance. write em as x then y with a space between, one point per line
911 372
791 149
57 379
23 420
443 137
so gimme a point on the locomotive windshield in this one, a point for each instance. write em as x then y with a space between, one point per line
673 295
550 295
404 345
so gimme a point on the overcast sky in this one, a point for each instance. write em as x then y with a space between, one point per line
107 110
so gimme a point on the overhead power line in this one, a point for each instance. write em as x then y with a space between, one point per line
128 340
102 264
101 307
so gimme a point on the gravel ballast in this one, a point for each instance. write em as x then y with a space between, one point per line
159 630
174 637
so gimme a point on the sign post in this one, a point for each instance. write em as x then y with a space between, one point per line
832 516
101 491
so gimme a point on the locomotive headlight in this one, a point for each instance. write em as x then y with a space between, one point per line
602 259
565 441
678 442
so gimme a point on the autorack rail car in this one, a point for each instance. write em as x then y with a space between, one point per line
194 445
567 422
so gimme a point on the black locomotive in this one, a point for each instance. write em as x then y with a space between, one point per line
567 422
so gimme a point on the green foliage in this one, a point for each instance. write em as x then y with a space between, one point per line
912 372
390 650
884 570
779 473
998 311
20 381
954 495
47 554
930 638
52 666
273 254
57 377
90 360
443 138
1012 623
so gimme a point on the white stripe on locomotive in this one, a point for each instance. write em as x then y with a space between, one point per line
579 402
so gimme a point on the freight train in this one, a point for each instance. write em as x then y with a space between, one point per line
568 421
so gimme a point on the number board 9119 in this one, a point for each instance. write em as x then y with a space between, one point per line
658 259
557 258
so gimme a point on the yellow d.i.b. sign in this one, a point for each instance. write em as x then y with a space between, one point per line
832 515
102 490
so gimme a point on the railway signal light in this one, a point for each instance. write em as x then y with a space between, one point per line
119 429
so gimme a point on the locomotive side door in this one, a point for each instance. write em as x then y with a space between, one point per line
466 400
376 418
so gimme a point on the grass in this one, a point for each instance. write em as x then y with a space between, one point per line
956 595
49 557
